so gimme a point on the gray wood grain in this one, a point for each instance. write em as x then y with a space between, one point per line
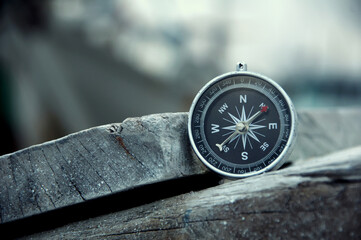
93 163
317 199
116 157
323 131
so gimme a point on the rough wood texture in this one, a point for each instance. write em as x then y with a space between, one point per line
323 131
140 151
94 163
318 199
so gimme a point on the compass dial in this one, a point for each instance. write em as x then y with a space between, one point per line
242 124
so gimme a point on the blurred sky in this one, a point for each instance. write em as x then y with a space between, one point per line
67 65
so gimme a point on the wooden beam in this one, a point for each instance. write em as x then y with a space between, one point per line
94 163
114 158
318 199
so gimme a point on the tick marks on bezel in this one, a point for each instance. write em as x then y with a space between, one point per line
244 125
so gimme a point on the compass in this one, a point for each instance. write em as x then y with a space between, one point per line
242 124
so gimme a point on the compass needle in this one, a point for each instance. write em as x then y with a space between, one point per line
242 124
227 140
235 145
249 114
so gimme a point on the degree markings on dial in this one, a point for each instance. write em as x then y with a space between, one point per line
252 133
238 116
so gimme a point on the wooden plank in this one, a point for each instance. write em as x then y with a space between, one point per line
317 199
113 158
323 131
93 163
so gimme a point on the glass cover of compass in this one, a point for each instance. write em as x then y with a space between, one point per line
242 124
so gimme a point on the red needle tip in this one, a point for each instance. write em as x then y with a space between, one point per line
264 109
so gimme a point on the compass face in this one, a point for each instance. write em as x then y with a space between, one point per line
241 124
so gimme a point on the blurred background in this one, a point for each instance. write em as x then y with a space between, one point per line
68 65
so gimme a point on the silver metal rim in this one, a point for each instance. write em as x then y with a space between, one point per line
289 145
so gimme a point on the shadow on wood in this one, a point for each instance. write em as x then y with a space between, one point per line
128 179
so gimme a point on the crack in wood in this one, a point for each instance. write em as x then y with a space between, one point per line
187 223
160 147
77 190
92 167
106 154
54 175
47 194
190 224
32 183
69 177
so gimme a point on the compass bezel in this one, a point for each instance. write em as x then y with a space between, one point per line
277 163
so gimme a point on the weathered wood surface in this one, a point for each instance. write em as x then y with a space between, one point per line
318 199
323 131
93 163
113 158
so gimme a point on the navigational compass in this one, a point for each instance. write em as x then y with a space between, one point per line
242 124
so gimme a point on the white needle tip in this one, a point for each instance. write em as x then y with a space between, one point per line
219 146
